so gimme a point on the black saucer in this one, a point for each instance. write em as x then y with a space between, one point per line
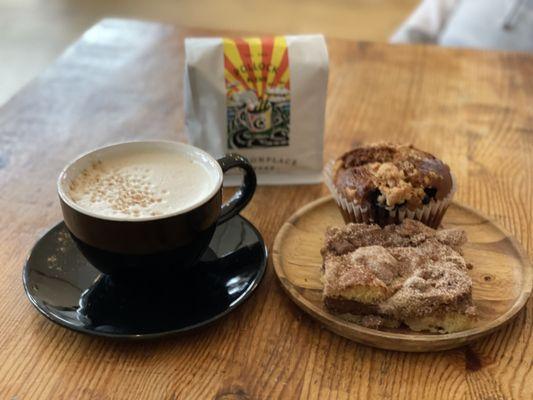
62 284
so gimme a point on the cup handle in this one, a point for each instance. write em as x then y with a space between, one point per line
242 196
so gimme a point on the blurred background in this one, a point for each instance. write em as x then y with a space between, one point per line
35 32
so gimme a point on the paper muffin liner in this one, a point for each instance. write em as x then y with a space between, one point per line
430 214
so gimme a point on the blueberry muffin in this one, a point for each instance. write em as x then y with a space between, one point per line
385 183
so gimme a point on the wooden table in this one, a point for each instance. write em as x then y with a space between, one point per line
123 80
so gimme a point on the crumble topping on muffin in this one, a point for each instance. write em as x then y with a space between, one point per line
390 175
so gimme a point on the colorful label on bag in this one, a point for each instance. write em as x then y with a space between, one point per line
256 72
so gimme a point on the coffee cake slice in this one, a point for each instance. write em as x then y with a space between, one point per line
407 273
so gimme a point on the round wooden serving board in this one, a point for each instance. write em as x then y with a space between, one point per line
502 276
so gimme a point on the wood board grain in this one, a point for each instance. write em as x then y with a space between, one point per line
501 277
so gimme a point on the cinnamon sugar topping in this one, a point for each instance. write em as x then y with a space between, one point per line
401 271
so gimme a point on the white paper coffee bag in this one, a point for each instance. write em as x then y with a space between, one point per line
263 98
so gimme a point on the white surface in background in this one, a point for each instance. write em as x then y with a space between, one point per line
490 24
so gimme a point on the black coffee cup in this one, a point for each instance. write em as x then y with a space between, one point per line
124 245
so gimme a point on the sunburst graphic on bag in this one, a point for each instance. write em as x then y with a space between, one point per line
257 77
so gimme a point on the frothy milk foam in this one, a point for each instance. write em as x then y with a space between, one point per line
143 183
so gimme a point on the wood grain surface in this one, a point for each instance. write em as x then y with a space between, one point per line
501 276
123 80
35 32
